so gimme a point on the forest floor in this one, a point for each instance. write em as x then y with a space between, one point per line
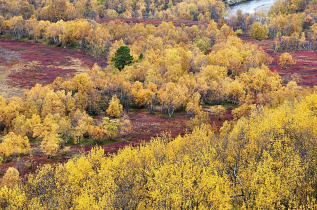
304 71
25 63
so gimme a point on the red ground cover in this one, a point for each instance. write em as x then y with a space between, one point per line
39 63
144 127
305 67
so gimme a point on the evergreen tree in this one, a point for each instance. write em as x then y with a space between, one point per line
122 58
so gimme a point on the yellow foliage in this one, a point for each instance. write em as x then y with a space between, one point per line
218 110
202 118
12 198
193 107
50 143
258 31
264 159
286 59
11 178
14 144
115 108
258 162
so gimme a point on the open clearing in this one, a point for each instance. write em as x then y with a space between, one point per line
23 64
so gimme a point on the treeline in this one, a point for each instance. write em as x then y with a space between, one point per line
97 38
56 10
263 161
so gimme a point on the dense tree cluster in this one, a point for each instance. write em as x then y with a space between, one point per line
265 160
56 10
292 23
173 68
55 116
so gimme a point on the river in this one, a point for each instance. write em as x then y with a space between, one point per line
252 6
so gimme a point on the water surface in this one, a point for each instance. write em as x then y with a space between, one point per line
252 6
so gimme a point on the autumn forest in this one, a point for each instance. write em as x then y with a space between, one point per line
158 104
